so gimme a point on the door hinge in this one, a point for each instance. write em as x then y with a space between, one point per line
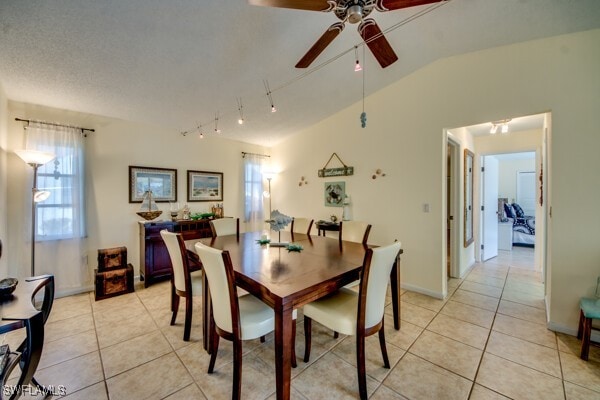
482 169
482 207
481 247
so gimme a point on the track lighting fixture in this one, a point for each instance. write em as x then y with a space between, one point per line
241 111
217 130
269 95
201 135
502 124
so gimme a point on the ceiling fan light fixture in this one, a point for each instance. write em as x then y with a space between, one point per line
355 14
504 128
494 129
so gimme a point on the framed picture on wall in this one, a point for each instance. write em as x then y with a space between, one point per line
204 186
334 194
161 181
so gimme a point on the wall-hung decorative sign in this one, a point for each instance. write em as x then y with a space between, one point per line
205 186
335 192
161 181
342 171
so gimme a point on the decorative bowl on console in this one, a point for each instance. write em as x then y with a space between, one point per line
7 286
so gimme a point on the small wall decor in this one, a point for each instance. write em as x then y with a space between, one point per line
343 171
204 186
161 181
303 181
379 173
334 194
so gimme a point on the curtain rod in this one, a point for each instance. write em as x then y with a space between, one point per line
54 124
254 154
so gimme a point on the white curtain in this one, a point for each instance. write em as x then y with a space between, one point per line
60 220
253 189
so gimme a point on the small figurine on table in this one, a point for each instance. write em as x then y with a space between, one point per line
186 212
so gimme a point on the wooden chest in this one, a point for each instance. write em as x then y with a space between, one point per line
114 276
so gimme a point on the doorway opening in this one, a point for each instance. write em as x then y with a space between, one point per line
452 207
529 134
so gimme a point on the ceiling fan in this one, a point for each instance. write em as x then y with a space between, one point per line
352 11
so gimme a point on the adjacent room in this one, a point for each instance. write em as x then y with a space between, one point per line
386 199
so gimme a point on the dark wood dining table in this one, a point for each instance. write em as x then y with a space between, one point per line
286 280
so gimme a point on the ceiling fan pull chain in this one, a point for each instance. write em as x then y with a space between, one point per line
363 114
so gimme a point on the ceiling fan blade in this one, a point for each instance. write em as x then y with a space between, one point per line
311 5
387 5
378 44
317 48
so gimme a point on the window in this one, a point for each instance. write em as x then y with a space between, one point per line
62 215
253 192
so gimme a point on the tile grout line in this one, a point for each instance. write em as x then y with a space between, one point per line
487 340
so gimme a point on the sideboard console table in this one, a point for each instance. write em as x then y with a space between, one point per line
155 264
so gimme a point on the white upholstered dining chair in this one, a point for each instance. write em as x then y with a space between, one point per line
357 313
355 231
183 282
235 318
225 226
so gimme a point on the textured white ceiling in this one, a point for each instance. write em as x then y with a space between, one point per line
177 63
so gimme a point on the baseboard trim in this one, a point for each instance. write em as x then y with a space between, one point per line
421 290
567 330
72 292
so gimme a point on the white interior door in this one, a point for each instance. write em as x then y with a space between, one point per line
490 208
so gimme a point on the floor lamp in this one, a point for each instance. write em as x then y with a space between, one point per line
36 159
268 175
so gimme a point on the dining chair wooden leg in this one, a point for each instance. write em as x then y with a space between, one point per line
307 337
336 334
386 361
262 339
174 304
585 340
188 318
237 369
214 343
360 364
294 363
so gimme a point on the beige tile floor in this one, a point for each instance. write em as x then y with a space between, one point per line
487 340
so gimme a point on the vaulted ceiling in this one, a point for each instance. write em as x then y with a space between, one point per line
179 63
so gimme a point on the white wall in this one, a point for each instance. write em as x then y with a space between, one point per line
3 180
507 177
110 150
404 138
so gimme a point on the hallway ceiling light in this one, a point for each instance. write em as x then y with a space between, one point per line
503 124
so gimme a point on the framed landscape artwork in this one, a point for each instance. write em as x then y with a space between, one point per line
161 181
204 186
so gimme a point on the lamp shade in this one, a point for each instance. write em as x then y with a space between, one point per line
41 195
35 157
